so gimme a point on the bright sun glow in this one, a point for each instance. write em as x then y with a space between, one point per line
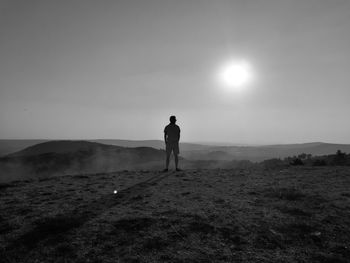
236 74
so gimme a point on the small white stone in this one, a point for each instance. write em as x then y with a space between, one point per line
115 191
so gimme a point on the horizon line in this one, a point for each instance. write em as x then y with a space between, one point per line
208 143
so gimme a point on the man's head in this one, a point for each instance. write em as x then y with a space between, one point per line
172 119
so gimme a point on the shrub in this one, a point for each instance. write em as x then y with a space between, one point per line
319 162
297 161
274 163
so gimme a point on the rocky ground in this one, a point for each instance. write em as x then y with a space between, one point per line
299 214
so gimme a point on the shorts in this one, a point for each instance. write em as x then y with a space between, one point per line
172 147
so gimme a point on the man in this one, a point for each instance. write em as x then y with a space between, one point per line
171 138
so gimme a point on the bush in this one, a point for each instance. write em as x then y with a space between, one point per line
274 163
319 162
339 158
297 161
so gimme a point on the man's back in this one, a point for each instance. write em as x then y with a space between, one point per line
173 132
172 138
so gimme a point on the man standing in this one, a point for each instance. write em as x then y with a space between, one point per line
171 138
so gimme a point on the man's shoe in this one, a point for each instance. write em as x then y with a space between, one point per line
165 170
178 170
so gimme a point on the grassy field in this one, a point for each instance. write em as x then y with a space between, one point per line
298 214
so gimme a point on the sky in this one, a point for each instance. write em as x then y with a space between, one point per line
118 69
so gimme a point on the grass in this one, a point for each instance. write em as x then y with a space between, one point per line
297 214
290 194
5 227
3 186
49 229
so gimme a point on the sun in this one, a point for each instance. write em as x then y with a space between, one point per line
236 74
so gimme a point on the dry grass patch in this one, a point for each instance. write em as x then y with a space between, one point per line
298 215
283 193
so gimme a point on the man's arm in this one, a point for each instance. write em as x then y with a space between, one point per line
165 136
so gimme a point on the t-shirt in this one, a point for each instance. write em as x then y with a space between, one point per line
173 132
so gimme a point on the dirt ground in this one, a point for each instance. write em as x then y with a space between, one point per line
299 214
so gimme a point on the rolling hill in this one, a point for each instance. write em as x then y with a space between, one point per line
11 146
157 144
67 157
260 153
193 151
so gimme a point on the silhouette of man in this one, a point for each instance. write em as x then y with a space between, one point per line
171 138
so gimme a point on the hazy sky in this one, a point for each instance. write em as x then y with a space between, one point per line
119 69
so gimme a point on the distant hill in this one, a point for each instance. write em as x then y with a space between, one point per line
260 153
61 147
157 144
11 146
68 157
194 151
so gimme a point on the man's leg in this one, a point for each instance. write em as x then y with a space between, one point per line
168 152
176 161
167 161
176 155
